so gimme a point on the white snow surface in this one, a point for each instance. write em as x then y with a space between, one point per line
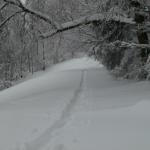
76 105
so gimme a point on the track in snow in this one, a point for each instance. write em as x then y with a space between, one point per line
46 136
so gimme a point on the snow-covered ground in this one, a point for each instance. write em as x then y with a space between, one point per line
75 105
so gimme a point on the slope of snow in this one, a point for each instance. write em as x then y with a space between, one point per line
76 105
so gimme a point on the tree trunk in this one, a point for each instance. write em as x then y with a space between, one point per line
142 35
44 67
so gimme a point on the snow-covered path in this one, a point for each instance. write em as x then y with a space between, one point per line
75 105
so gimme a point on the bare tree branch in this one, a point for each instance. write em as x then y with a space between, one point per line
87 20
3 6
7 19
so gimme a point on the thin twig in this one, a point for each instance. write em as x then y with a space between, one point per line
3 6
7 19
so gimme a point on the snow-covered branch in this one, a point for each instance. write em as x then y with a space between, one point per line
57 28
42 16
87 20
126 44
